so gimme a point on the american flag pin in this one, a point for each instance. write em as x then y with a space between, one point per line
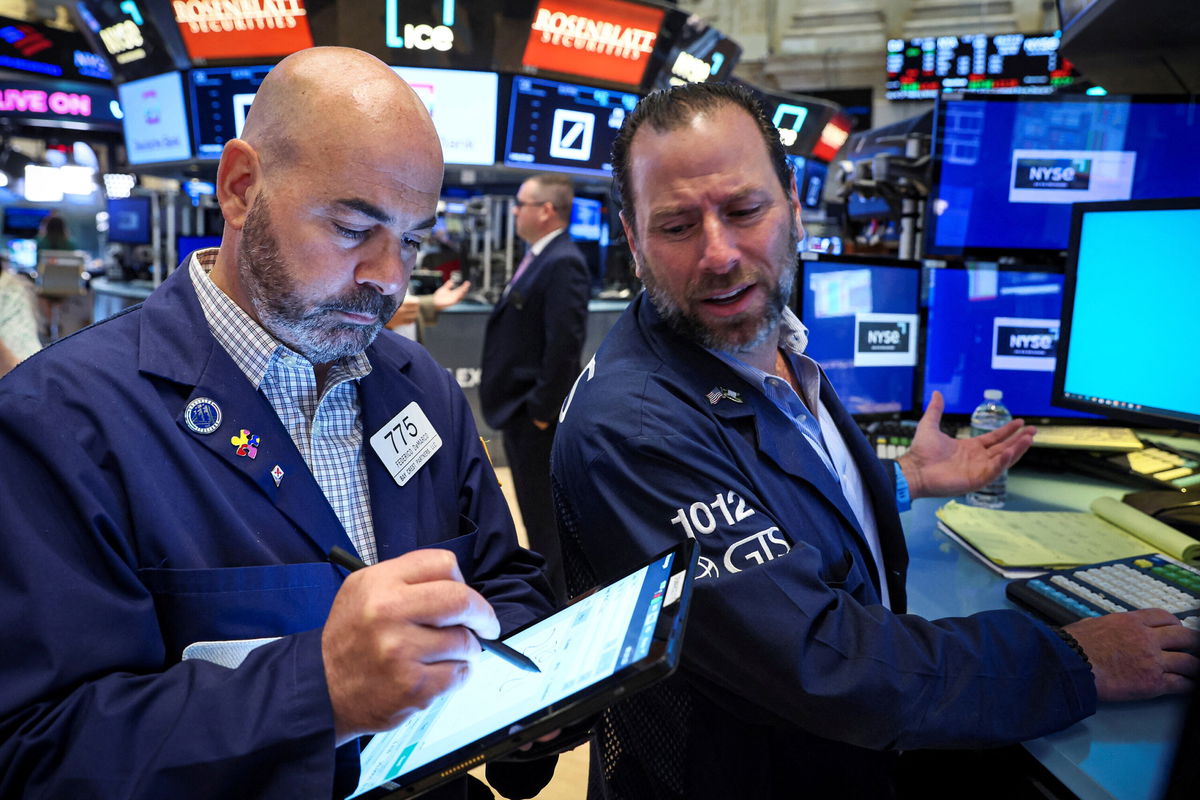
718 394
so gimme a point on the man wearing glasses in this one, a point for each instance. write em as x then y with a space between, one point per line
531 353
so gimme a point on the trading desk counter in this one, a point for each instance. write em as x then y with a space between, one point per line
1124 751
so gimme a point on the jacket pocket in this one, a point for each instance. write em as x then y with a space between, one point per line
195 605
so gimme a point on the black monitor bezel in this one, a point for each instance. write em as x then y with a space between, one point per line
1026 255
914 405
1058 394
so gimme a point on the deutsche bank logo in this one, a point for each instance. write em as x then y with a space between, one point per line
885 340
1053 173
1024 344
571 135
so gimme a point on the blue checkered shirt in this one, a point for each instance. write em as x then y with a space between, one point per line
326 429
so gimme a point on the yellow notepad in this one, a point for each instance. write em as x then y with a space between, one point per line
1087 437
1014 542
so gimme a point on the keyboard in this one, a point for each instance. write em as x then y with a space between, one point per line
891 438
1150 581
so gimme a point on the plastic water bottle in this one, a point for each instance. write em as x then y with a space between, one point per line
988 416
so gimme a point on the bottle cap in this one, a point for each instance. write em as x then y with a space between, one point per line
993 394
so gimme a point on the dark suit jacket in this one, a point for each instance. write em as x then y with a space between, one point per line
534 338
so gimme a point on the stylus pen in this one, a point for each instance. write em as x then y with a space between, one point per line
349 561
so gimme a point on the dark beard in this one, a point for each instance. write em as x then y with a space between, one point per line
737 338
310 331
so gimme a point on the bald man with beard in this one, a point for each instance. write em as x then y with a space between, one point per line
172 480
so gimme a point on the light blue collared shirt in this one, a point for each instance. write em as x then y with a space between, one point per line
819 431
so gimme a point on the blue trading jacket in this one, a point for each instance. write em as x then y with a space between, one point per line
127 536
793 675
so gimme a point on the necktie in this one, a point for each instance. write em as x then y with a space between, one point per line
522 266
520 269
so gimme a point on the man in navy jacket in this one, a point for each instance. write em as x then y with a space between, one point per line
700 417
531 352
173 478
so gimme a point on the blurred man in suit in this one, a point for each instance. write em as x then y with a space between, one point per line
531 353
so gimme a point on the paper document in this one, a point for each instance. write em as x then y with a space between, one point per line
1087 437
1038 540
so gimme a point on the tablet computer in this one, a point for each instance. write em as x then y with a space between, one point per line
616 640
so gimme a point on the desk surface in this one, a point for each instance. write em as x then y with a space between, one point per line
1124 751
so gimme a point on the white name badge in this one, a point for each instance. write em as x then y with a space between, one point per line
406 442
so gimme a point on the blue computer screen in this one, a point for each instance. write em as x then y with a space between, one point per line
23 222
186 245
1008 169
862 320
587 216
993 329
129 220
1130 346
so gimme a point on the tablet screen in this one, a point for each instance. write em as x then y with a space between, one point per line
575 648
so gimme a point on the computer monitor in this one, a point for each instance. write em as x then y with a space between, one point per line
563 126
129 220
1129 313
862 316
810 179
463 105
587 218
1008 169
155 124
186 245
220 98
23 254
23 222
993 328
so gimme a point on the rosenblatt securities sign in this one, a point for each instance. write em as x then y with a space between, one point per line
602 39
215 29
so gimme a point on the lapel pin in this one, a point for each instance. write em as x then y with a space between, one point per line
277 474
246 443
718 394
202 415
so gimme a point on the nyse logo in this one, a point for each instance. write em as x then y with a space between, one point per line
571 135
1053 173
1024 344
883 337
885 340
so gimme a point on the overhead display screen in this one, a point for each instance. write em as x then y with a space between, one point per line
155 119
220 98
463 106
131 42
690 51
1008 63
563 126
605 40
37 49
245 29
1008 169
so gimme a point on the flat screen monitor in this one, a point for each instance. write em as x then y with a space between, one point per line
186 245
990 328
155 123
1007 169
129 220
810 179
862 316
220 98
23 222
563 126
587 218
462 104
1005 63
1129 313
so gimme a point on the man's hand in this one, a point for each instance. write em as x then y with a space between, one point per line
398 635
1138 654
446 295
938 466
